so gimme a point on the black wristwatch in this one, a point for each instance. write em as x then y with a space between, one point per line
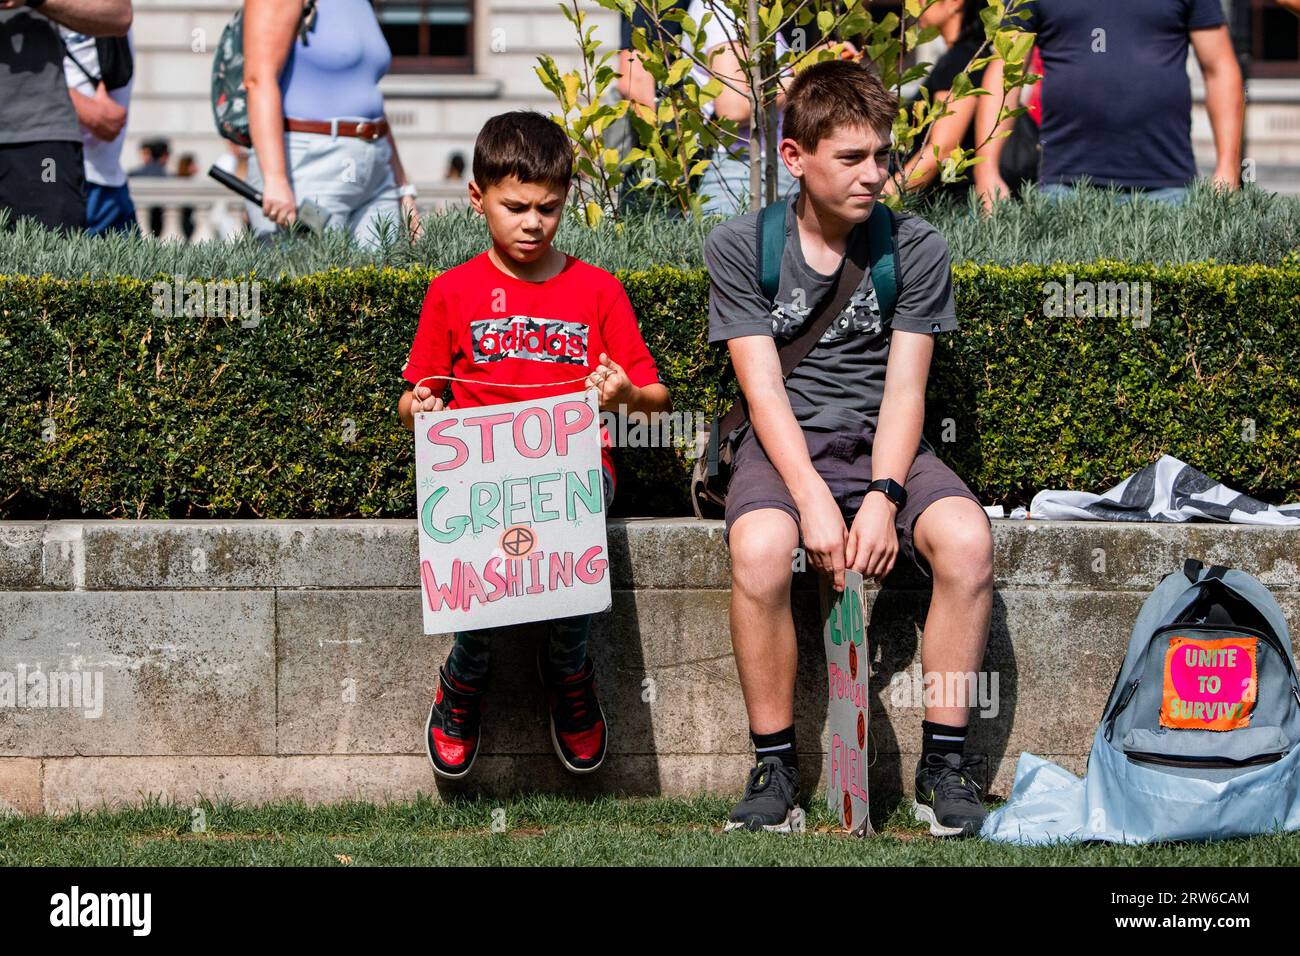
891 490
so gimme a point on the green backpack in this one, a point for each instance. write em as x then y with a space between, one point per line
229 98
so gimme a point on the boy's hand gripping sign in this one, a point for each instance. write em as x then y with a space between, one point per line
511 513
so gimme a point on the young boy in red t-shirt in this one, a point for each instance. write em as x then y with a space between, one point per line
524 313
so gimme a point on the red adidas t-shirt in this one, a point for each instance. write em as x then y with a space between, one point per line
485 325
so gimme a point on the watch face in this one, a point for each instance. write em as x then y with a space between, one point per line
891 490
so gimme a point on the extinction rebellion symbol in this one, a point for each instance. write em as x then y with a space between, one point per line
518 541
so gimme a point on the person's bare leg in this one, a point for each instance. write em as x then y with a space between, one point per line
762 546
954 537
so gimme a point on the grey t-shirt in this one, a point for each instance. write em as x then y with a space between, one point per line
34 102
840 384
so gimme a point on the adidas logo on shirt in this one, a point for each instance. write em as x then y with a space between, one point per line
522 336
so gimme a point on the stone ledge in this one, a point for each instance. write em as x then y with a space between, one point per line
661 553
267 660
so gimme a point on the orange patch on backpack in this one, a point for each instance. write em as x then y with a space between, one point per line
1209 685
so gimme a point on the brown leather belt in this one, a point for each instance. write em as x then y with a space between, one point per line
365 129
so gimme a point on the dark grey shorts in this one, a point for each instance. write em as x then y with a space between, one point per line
843 459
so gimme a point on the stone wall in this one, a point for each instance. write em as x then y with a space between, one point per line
259 660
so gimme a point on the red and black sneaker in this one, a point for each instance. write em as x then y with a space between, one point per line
577 723
451 735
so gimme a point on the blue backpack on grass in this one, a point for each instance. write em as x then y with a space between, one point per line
1199 737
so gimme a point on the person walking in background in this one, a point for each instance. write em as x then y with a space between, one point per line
726 180
154 156
639 89
635 84
945 15
1117 99
42 166
964 30
101 96
316 116
187 166
455 168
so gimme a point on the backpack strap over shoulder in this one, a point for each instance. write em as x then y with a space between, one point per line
881 233
770 247
882 228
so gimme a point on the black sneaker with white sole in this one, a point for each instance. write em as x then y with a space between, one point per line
770 801
947 796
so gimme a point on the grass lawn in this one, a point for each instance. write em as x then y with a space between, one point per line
546 830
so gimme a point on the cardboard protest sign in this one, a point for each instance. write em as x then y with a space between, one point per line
511 513
844 636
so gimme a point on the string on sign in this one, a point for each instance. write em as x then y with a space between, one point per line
603 372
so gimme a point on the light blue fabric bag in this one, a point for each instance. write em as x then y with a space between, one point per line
1153 772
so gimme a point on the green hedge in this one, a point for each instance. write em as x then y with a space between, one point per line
109 410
